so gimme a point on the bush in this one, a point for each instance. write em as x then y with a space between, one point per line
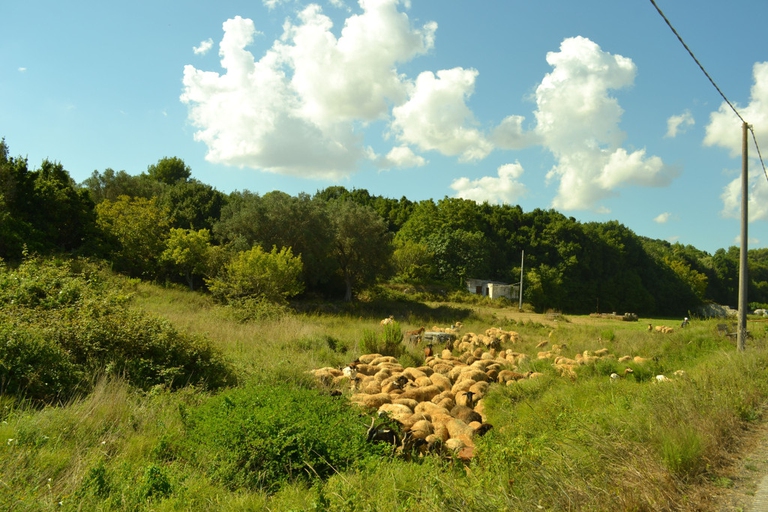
390 343
63 323
273 276
260 437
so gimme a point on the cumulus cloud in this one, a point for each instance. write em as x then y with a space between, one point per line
300 108
436 116
400 156
662 218
724 130
203 47
499 190
578 121
510 134
679 123
22 70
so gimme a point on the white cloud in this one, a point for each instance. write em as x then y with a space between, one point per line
578 121
22 70
271 4
725 130
436 116
679 123
400 156
299 109
662 218
511 135
203 47
757 194
504 189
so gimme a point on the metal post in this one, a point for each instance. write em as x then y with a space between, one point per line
743 274
522 262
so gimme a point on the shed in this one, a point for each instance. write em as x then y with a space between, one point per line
493 289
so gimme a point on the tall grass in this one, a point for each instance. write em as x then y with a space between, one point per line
557 444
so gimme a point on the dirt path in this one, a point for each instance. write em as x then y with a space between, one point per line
744 485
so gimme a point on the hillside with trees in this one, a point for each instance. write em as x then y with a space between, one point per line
165 226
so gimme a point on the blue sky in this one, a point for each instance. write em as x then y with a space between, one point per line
593 108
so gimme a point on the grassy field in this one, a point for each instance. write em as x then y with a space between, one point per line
584 442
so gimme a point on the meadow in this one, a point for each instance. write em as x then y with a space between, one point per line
268 436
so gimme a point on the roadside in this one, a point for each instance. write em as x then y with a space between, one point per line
743 486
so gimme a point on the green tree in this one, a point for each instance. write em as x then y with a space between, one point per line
361 244
111 185
169 170
413 262
187 252
192 204
135 230
274 276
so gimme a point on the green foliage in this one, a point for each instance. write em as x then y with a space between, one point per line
261 437
41 209
361 244
169 170
64 323
187 251
389 343
136 229
273 276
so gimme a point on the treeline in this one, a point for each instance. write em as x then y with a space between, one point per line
164 225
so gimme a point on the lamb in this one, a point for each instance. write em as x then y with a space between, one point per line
663 378
388 320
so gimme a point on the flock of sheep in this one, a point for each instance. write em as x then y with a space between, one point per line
440 405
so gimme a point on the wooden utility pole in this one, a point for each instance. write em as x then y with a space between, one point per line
743 274
522 262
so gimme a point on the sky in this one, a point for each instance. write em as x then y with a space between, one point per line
591 107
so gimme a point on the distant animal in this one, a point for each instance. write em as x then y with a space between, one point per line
388 320
616 376
428 350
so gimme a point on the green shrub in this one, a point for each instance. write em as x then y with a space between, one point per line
390 343
64 323
33 366
261 436
273 276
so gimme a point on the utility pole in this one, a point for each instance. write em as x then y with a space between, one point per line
743 277
522 261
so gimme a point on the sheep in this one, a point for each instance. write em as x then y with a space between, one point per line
506 376
662 378
389 320
615 376
382 434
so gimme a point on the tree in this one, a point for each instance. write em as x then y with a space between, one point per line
361 244
111 185
192 204
413 262
187 252
135 229
169 170
274 276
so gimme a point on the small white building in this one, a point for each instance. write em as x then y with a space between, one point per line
493 289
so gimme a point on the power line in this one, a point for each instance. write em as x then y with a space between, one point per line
679 38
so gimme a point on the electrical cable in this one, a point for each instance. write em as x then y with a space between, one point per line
679 38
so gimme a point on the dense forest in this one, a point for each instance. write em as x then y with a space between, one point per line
165 226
